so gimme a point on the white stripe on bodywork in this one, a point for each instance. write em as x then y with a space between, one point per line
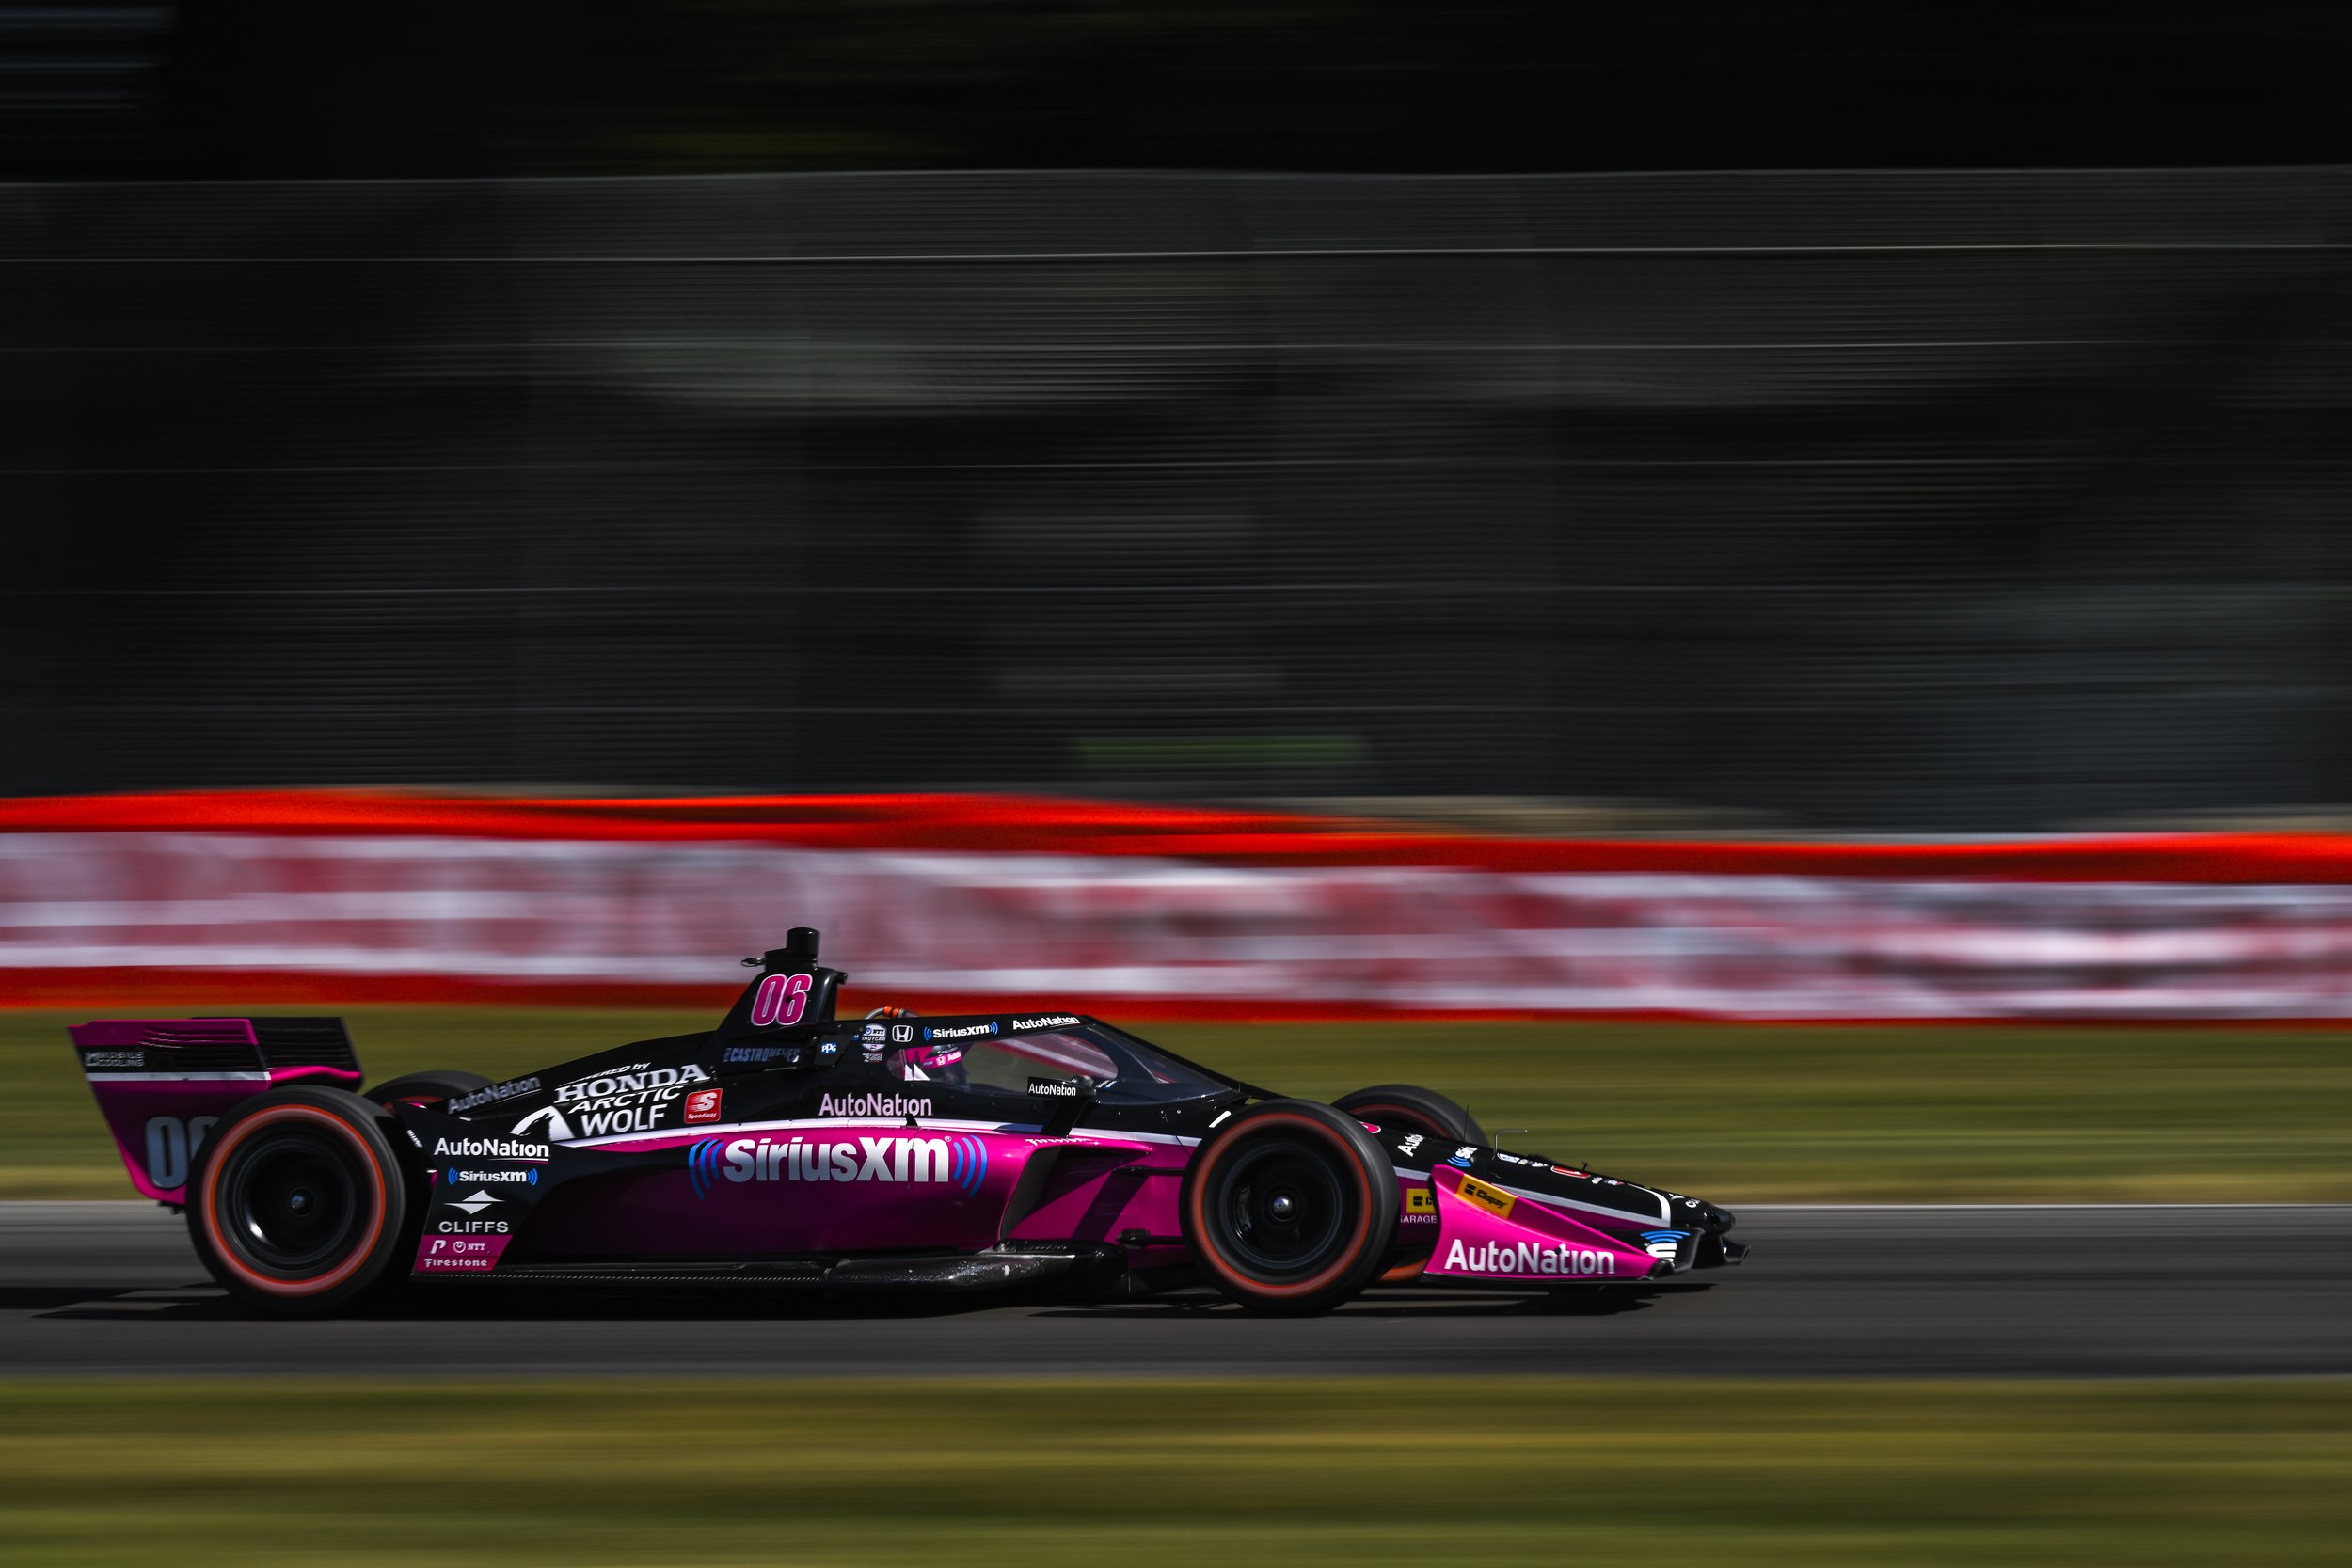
100 1075
868 1124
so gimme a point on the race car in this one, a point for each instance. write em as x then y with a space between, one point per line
789 1148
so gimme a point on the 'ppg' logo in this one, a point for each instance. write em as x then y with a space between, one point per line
702 1164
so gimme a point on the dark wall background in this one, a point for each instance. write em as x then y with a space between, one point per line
258 89
1918 500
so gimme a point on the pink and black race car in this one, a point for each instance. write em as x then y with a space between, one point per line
788 1148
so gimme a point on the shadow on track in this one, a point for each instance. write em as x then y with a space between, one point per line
444 1302
1437 1302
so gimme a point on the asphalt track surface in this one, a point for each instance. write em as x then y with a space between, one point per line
2061 1291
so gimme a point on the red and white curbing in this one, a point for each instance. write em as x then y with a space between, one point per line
1165 911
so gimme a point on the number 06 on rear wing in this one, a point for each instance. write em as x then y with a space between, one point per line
162 1083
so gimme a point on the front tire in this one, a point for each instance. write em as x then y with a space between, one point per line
298 1205
1290 1208
1415 1110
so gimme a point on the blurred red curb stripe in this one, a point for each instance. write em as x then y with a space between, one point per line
195 992
199 992
1052 825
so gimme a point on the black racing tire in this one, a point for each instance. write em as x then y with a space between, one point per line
1290 1209
426 1088
1415 1110
298 1204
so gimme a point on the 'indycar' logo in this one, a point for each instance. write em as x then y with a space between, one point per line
959 1160
1527 1258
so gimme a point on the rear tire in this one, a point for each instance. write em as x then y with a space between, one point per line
298 1205
426 1088
1415 1110
1290 1208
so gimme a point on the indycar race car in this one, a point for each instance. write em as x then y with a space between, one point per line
789 1148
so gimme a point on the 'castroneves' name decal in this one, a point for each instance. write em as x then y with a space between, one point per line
958 1159
1527 1258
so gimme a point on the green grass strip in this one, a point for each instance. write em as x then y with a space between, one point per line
1456 1472
1742 1113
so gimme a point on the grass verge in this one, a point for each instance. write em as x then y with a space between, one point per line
1468 1473
1743 1113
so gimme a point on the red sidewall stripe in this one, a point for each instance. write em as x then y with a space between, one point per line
1346 1260
209 1214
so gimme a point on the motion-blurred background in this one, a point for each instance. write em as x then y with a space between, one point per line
718 395
1498 545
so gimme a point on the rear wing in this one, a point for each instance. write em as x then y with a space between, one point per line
162 1083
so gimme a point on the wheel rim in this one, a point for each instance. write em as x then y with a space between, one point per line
292 1203
1281 1210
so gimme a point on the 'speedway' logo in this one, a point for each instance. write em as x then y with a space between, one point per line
960 1160
1527 1258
